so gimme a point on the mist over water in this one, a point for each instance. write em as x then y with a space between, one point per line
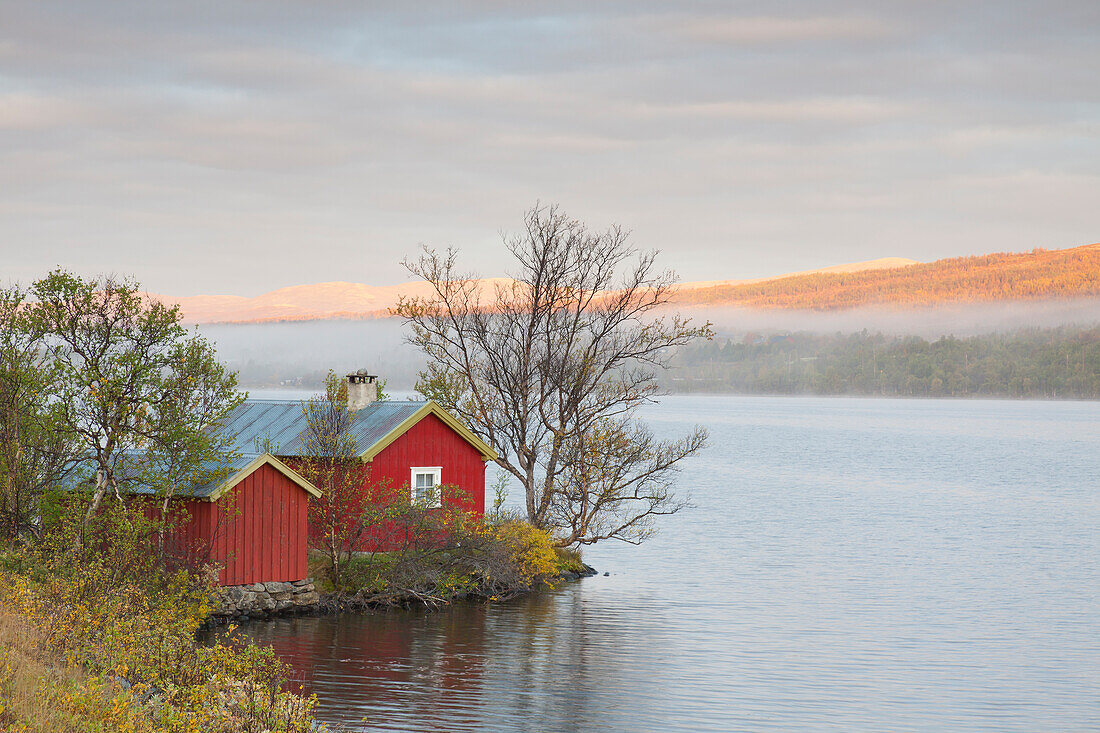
265 353
268 353
929 322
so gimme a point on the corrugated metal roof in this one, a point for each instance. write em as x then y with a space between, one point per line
284 424
131 469
221 476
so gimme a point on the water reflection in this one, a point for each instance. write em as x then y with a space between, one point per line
523 665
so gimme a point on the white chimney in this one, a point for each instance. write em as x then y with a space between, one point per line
362 389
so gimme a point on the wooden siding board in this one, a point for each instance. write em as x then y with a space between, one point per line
222 520
257 531
284 531
222 534
303 534
262 511
292 535
243 525
282 518
285 539
288 522
265 510
431 442
271 507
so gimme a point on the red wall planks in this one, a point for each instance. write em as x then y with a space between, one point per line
431 442
256 531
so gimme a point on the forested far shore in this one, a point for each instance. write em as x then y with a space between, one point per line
1055 363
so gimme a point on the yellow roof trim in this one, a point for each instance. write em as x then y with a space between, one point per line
431 408
269 460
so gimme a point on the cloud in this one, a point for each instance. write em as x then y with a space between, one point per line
28 111
240 147
740 30
853 110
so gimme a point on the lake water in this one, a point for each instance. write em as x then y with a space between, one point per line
848 564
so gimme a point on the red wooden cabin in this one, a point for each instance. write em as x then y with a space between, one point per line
414 446
254 524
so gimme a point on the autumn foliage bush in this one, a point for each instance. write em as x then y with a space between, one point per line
527 552
433 555
123 627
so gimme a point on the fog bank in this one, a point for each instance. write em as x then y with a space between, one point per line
299 353
267 354
956 319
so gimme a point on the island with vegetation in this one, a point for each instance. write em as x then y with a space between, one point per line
106 412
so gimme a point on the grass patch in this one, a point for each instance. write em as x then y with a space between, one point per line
569 560
34 687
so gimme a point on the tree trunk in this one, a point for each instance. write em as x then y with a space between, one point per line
161 531
93 507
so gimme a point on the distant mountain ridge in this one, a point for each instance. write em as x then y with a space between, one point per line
883 263
1040 273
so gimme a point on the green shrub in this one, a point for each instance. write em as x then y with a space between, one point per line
437 556
114 611
569 560
52 507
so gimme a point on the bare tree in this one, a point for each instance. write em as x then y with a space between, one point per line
551 367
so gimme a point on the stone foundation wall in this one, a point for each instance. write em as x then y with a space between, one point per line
264 600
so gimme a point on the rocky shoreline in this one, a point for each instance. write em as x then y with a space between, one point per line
588 572
264 601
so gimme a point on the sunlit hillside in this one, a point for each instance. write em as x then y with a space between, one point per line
891 280
1032 275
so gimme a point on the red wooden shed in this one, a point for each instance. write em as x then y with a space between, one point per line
430 442
253 524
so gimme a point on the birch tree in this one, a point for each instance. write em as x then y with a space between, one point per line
138 396
345 512
34 455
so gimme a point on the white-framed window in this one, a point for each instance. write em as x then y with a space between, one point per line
425 483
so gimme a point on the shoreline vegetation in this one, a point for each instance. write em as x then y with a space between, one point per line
107 638
103 638
391 580
567 567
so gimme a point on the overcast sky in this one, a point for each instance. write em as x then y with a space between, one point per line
239 147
